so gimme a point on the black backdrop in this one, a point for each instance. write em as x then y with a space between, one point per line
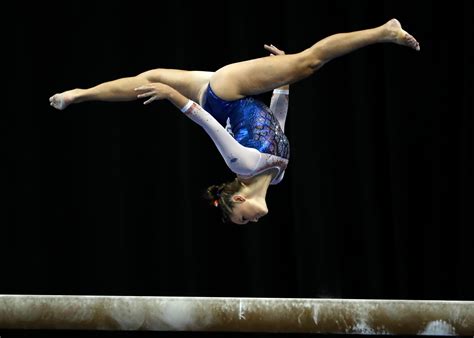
105 198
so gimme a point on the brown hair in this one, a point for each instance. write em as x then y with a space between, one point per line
221 196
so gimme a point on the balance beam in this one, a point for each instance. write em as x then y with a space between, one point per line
279 315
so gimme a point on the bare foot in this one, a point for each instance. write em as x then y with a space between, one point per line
396 34
62 100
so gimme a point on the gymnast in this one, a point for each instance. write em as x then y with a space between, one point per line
248 134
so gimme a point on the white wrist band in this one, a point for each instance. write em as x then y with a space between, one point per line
281 91
187 106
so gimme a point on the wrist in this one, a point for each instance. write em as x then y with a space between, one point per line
175 97
186 106
170 93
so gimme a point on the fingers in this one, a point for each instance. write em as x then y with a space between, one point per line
147 91
151 94
273 50
153 98
144 87
147 94
152 91
269 47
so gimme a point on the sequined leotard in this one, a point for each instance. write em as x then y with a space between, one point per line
249 135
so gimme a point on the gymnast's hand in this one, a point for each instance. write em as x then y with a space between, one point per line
273 50
155 91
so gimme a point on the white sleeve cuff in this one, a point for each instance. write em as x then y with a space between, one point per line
187 106
281 91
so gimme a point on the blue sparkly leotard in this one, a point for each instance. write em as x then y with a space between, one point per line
250 121
248 134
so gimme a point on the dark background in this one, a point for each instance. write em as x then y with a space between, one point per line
105 198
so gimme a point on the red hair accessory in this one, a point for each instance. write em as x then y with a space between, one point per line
216 203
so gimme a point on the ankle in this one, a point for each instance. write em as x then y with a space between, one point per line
383 33
76 95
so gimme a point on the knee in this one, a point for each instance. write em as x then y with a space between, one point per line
151 75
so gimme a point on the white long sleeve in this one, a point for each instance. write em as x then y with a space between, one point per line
279 105
241 160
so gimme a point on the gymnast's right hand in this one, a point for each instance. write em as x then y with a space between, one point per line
155 91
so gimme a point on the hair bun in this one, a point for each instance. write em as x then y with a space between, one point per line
214 192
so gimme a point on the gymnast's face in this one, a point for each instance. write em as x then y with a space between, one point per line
247 209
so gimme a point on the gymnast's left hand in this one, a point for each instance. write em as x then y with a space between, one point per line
273 50
155 91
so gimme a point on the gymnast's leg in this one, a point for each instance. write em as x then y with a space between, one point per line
189 83
261 75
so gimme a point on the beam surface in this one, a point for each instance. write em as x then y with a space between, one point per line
280 315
